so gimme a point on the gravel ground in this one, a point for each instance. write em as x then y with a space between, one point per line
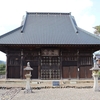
2 91
58 94
8 94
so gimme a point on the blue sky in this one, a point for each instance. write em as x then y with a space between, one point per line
95 10
86 12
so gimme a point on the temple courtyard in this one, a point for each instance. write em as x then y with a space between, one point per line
50 94
12 89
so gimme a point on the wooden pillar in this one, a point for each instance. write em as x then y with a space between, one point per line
6 69
39 74
21 65
85 72
78 64
39 68
70 72
61 64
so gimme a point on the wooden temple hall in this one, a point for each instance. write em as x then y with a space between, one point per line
53 44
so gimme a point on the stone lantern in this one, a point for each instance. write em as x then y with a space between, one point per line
95 69
28 70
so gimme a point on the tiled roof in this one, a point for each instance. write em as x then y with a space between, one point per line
49 28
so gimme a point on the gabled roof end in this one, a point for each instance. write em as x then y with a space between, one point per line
23 22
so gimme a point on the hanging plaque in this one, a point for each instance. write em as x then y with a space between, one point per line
50 52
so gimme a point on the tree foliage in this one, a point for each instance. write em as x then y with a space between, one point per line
2 69
97 30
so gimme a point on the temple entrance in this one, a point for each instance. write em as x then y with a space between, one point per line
50 67
34 65
34 72
84 72
69 72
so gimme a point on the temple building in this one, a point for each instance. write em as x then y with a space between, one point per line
53 44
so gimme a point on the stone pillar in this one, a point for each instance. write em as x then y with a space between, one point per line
28 87
28 70
95 76
95 69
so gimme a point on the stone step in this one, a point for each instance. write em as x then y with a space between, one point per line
44 83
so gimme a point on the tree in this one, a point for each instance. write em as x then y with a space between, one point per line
97 30
2 69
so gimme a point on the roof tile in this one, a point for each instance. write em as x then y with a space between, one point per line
49 28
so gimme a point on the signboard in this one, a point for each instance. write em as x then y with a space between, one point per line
55 83
50 52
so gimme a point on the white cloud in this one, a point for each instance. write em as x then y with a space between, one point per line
2 28
86 22
13 10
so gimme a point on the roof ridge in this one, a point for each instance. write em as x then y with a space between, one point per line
89 33
24 22
7 33
60 13
74 26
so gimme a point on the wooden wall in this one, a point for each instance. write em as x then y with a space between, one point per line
77 63
13 64
69 63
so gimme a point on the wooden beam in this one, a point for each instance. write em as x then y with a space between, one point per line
6 69
21 65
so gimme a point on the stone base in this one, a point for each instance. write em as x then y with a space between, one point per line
28 91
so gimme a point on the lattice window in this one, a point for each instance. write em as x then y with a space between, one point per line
50 74
50 61
85 60
69 58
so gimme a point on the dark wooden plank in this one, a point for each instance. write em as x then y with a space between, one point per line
34 72
13 72
82 72
88 72
10 72
65 72
73 71
16 72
